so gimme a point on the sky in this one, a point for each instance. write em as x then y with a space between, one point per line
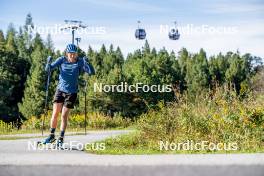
217 26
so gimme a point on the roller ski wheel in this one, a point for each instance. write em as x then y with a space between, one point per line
59 142
49 141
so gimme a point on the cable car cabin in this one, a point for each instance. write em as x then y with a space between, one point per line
174 34
140 34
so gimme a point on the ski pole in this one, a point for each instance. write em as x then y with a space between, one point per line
46 98
89 72
85 107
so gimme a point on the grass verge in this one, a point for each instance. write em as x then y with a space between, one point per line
134 144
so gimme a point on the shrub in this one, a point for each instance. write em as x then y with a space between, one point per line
5 127
219 116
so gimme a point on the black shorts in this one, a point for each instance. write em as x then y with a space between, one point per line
68 99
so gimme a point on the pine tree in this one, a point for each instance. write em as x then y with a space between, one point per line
11 40
90 53
34 96
240 70
2 41
119 57
12 78
146 48
22 50
28 35
217 68
103 51
7 61
49 44
198 77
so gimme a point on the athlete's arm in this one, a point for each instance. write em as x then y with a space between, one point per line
54 64
87 67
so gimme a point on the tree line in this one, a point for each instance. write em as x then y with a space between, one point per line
23 79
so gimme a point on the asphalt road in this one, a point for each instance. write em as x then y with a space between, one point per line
16 158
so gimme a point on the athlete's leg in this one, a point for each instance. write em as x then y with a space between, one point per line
70 99
53 122
57 107
64 118
64 121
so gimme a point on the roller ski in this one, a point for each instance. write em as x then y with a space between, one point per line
49 142
59 142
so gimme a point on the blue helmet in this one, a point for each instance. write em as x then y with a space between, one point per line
71 48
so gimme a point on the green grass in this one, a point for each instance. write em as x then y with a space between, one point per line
133 144
18 137
124 144
11 137
77 130
23 131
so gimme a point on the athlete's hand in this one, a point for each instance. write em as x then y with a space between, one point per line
87 67
49 59
47 68
85 59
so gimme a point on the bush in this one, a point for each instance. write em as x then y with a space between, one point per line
5 127
219 116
